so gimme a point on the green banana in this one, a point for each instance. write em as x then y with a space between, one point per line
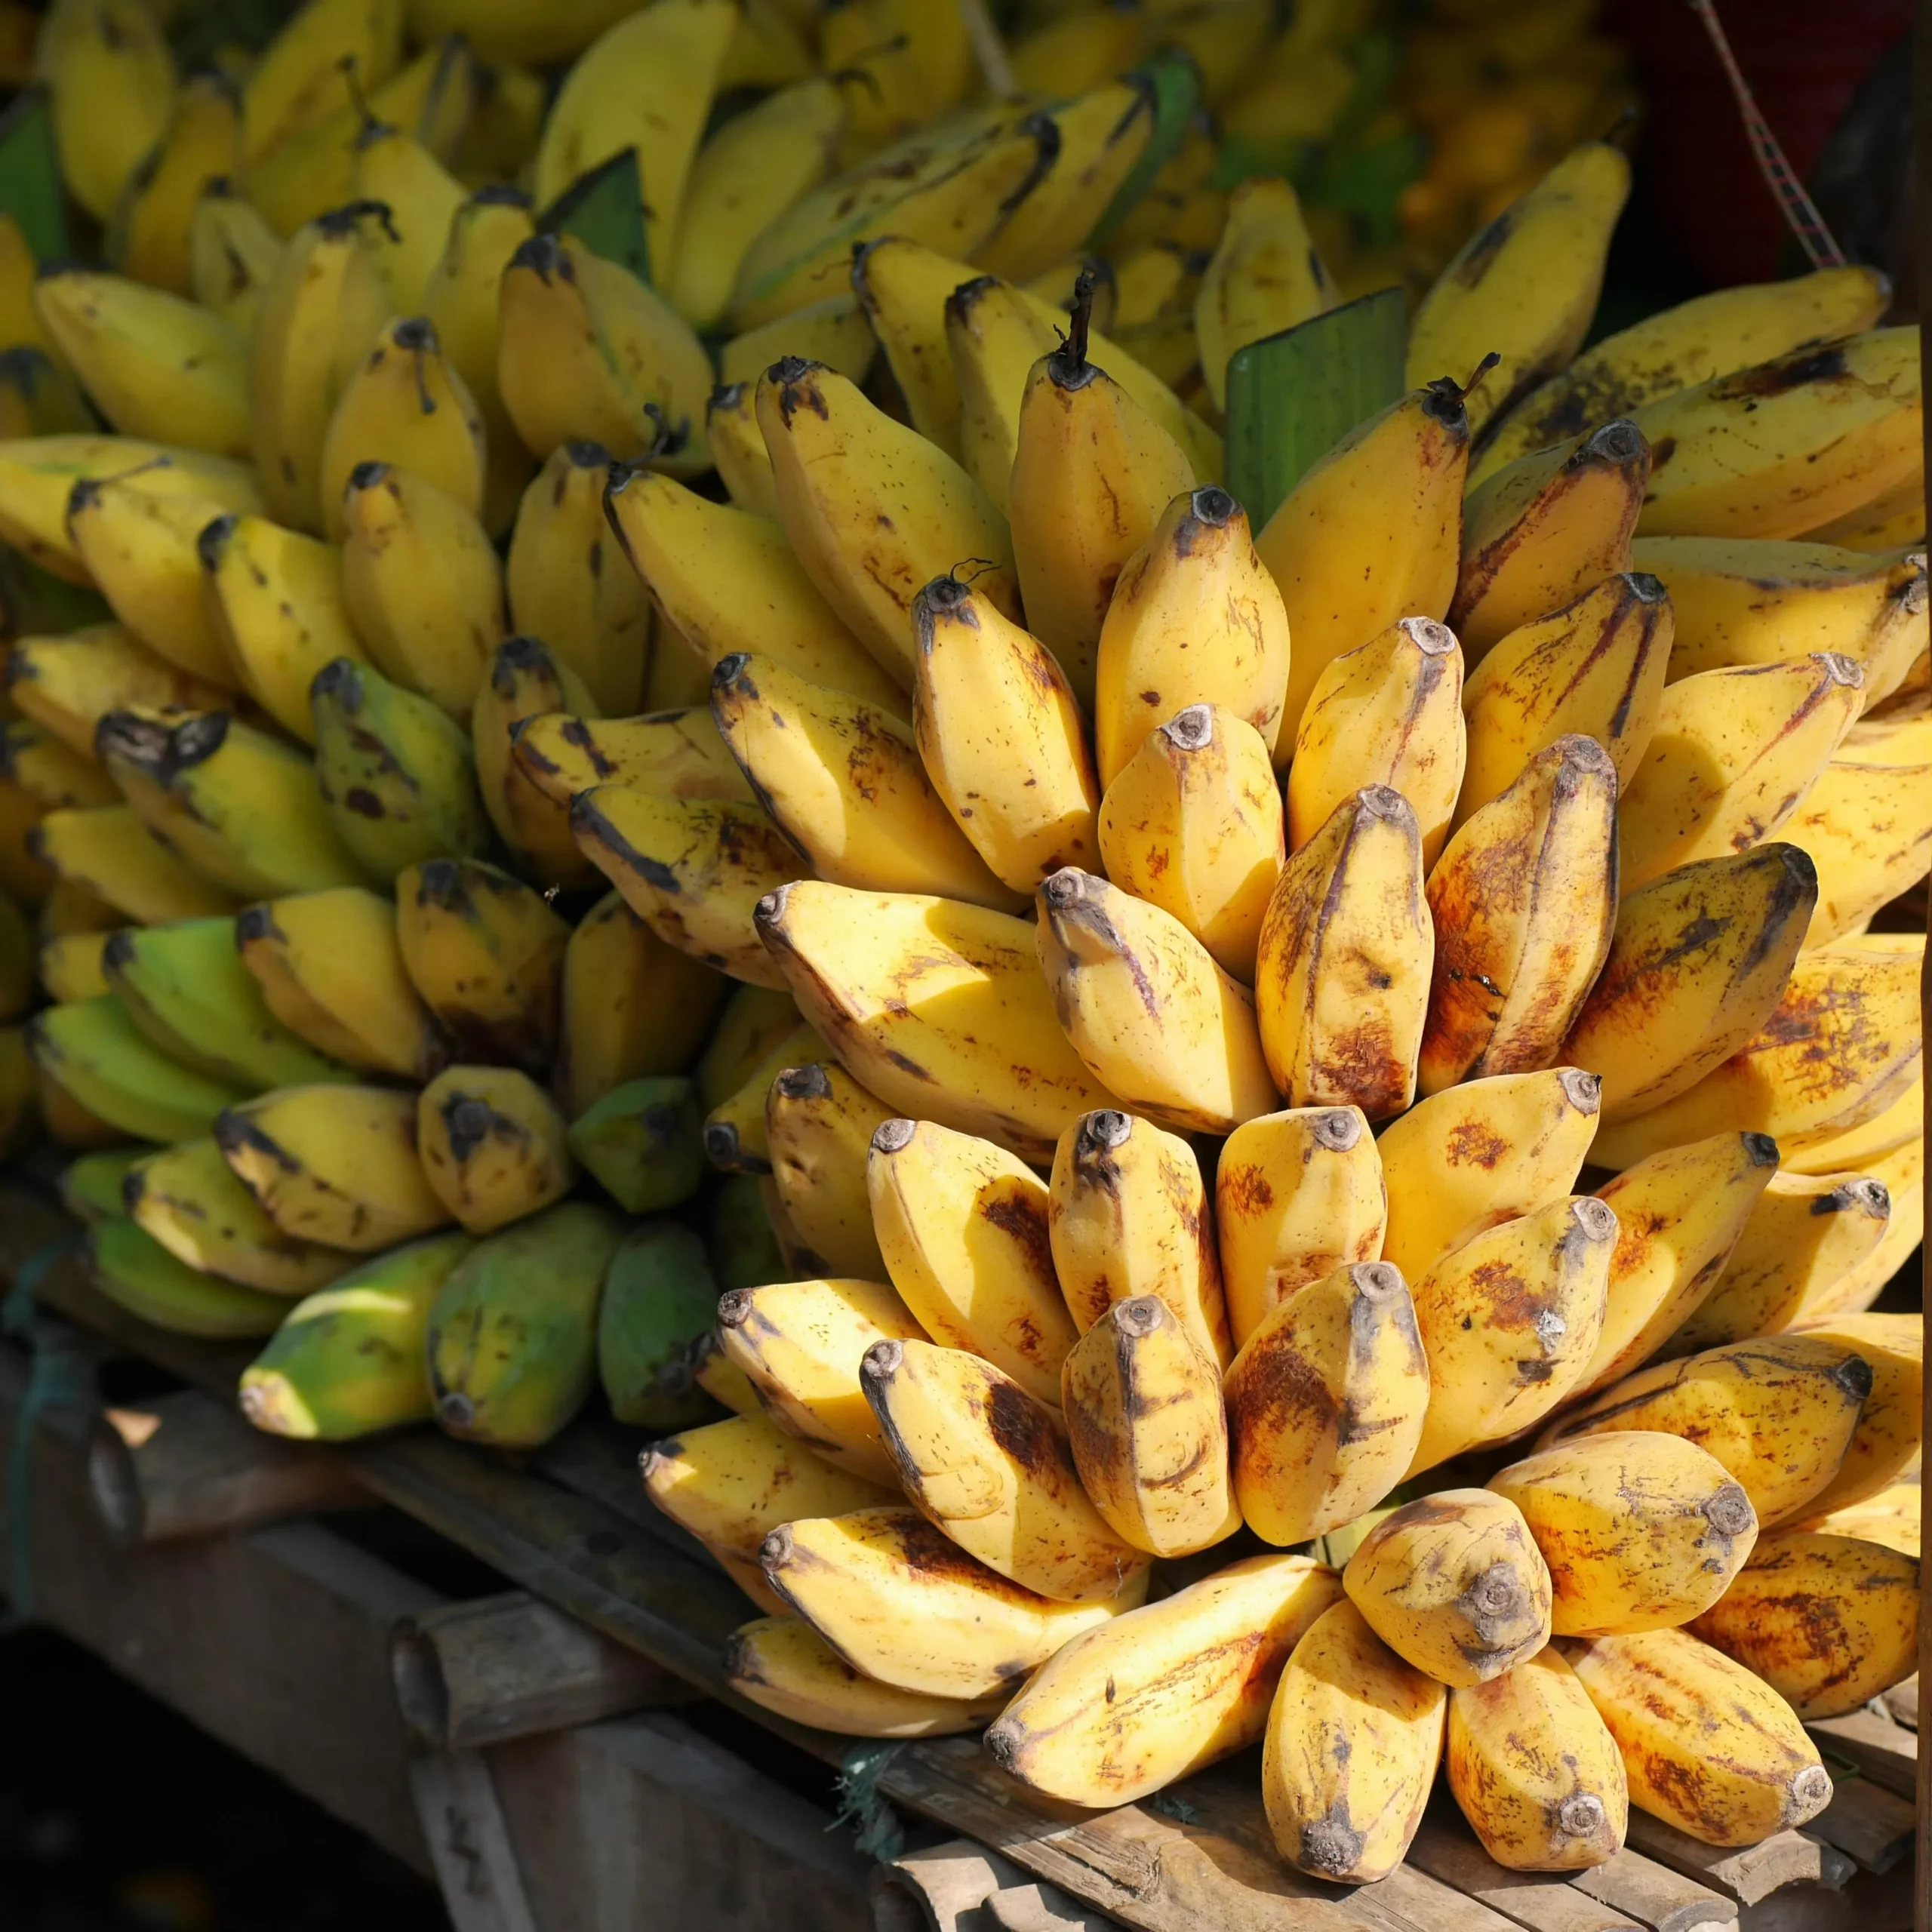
658 1298
97 1054
137 1274
644 1143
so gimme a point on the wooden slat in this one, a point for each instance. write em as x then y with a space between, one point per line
1540 1902
1883 1752
1874 1824
1655 1896
1748 1875
469 1839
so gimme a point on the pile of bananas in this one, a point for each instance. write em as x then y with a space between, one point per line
1297 1126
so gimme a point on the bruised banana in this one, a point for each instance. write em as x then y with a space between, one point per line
643 1143
1868 829
681 754
493 1146
1887 1442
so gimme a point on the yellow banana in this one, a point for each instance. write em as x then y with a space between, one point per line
737 448
1127 1216
1866 828
335 1164
1778 1414
331 971
1341 974
1523 902
48 772
1887 1441
819 1125
69 967
110 83
233 254
137 1274
526 682
513 32
1641 1530
97 1054
755 1020
680 754
1325 1404
963 1225
148 236
1148 1430
967 1036
297 81
1297 1195
632 1006
1697 963
1128 1707
1526 285
1265 276
421 584
1510 1321
1901 1174
67 684
1475 1155
513 1339
349 1360
1353 1740
392 166
1454 1585
37 397
1892 1519
1539 533
1706 1745
1685 345
734 1130
994 337
1782 448
109 850
1193 823
835 331
492 1145
1388 712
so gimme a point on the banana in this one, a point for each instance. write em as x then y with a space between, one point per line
633 1007
321 311
492 1143
68 1124
421 584
1679 1215
934 1005
1522 903
1147 1009
1325 1404
819 1125
1510 1321
873 511
734 1130
1828 1622
1535 1771
1148 1430
1892 1519
1697 964
800 1344
1679 347
1528 282
1784 448
1128 1707
47 773
1901 1173
1733 754
190 1201
963 1225
511 1344
588 353
782 1664
147 237
1478 1155
275 597
565 588
1353 1740
233 254
1706 1745
396 772
902 1603
486 954
1454 1585
90 1186
1806 1232
1265 276
140 551
1640 1529
295 82
1842 1044
423 198
513 32
755 1019
155 364
1388 712
994 336
99 1056
1343 970
737 448
526 681
110 84
727 582
986 1463
1887 1441
843 780
1880 1140
183 987
37 397
1893 520
1538 533
835 331
69 967
406 406
1082 47
1778 1414
694 870
67 684
658 1299
643 1143
1127 1216
348 1360
137 1274
1868 829
744 1251
107 850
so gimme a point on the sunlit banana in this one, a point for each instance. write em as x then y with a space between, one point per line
1865 827
1887 1441
818 1126
734 1131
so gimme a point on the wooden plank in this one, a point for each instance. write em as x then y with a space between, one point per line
469 1839
1653 1895
1538 1901
482 1672
1902 1702
939 1889
1748 1875
1874 1824
1883 1752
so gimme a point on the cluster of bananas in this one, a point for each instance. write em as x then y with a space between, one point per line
1044 896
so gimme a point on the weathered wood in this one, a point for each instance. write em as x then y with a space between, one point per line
468 1839
641 1821
482 1672
938 1890
1886 1752
1039 1907
1419 1898
1539 1901
1874 1824
186 1465
1749 1874
1653 1895
1902 1702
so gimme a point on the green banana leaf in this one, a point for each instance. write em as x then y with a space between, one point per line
30 177
1174 82
605 211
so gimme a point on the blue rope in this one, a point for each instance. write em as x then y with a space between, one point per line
62 1377
876 1829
